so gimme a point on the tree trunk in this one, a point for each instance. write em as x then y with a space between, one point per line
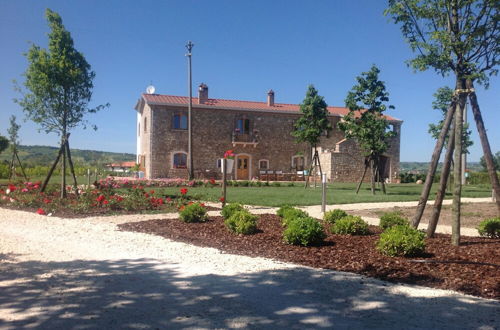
433 165
11 167
372 168
71 167
46 181
63 165
381 179
457 170
445 173
362 178
485 144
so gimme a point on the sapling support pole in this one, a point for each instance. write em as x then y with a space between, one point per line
315 163
476 111
72 168
224 181
433 164
46 181
20 165
445 173
362 177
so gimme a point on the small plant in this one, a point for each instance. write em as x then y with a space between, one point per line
401 241
350 225
281 211
490 228
332 216
231 208
193 213
276 184
292 213
391 219
242 222
303 231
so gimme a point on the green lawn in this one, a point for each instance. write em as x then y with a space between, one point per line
339 193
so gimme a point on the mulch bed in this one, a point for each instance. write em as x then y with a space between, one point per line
95 212
472 268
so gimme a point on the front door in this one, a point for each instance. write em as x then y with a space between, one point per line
242 167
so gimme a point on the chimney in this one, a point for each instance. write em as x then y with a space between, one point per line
270 98
202 93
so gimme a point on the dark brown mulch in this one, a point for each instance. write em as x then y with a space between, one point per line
472 268
95 212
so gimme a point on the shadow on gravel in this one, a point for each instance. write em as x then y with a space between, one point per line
144 293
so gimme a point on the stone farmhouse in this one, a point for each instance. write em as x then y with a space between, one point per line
259 133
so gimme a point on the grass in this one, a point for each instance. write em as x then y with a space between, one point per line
338 193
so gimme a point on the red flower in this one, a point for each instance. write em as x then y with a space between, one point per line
221 199
105 202
169 199
101 198
184 191
152 192
212 181
46 201
202 204
41 211
12 187
229 154
181 208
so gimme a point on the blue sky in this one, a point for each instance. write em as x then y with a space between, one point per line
242 49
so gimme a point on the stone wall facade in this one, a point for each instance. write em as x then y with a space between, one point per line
269 139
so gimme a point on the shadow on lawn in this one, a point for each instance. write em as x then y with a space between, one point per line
144 293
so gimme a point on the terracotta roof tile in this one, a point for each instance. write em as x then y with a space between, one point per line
235 104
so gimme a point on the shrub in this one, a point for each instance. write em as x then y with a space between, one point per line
242 222
291 214
281 211
231 208
332 216
489 228
350 225
276 184
401 241
194 213
303 231
391 219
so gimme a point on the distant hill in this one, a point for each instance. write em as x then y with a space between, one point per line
423 166
44 155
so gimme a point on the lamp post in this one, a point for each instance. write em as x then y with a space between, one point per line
189 47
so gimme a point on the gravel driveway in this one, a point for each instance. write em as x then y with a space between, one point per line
83 273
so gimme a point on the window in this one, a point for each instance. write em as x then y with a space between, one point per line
145 124
180 121
298 163
242 126
219 163
263 164
180 160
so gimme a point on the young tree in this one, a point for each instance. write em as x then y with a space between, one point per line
459 37
58 90
366 123
496 162
14 142
312 124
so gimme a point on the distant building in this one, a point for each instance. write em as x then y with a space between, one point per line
120 167
259 133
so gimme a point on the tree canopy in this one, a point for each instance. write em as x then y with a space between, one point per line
59 82
314 120
13 132
442 101
365 121
460 36
4 143
496 162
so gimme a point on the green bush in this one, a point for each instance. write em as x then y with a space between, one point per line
401 241
303 231
332 216
350 225
194 213
291 214
391 219
276 184
242 222
490 228
284 208
231 208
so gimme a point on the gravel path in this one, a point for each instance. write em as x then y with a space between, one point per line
83 273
